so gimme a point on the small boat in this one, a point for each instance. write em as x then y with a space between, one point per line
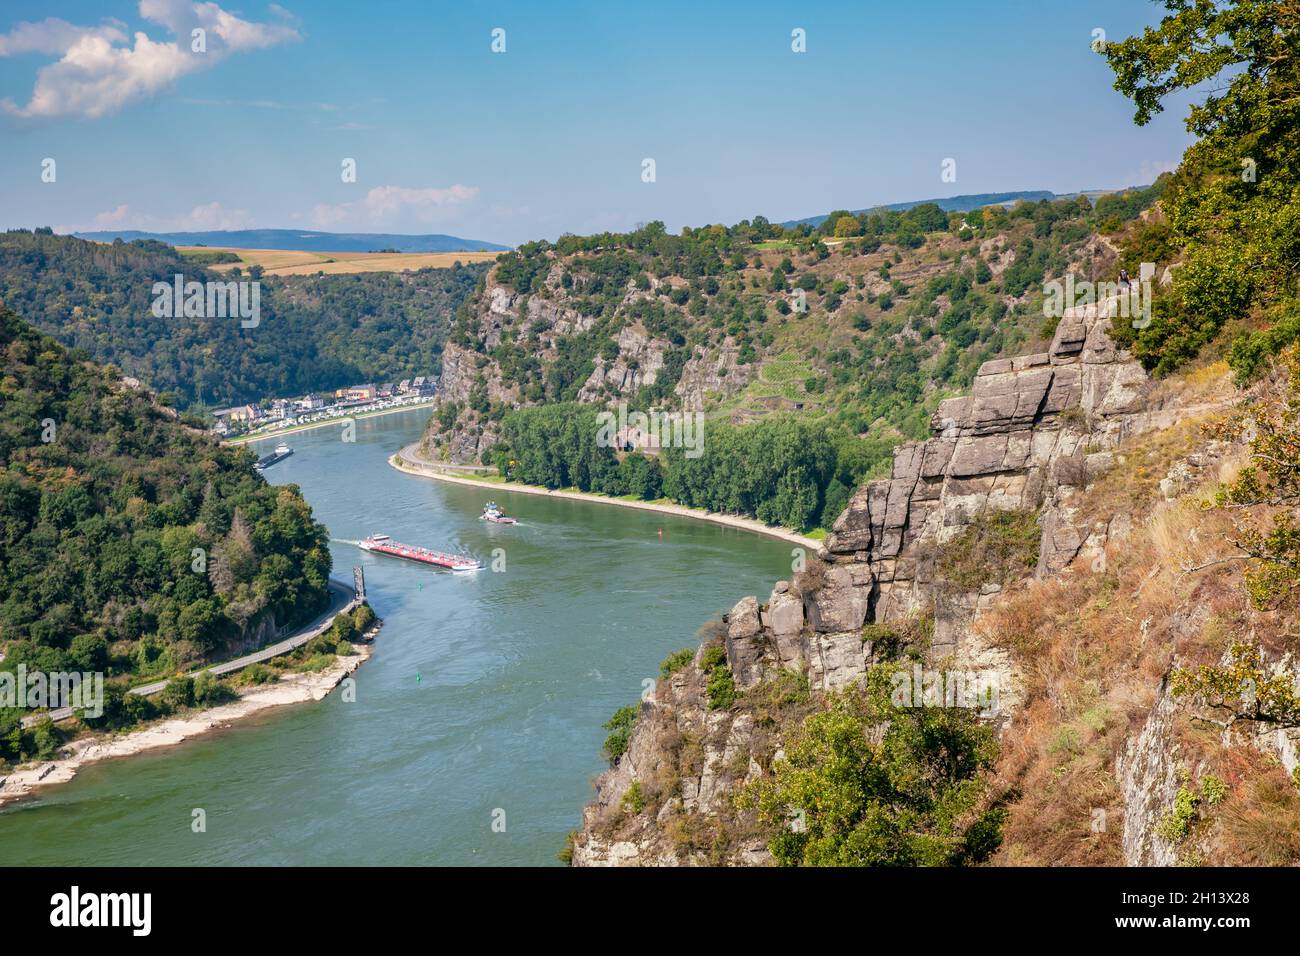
383 544
494 514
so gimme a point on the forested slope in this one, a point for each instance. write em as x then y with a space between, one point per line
810 352
315 332
130 543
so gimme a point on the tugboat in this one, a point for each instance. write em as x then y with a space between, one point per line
494 514
383 544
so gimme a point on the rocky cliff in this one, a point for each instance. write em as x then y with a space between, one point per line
548 323
1032 435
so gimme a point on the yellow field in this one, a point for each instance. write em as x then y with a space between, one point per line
287 262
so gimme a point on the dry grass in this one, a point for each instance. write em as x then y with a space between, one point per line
1094 647
1259 824
289 262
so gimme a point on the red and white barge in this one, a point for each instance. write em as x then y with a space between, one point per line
383 544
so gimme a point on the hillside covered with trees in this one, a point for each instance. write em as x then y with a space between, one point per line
130 543
853 330
1230 217
315 332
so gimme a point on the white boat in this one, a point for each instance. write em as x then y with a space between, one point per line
491 512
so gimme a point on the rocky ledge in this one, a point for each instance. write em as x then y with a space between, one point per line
1033 431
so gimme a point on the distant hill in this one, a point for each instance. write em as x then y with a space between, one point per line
949 204
303 239
966 203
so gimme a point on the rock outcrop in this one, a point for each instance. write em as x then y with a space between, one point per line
1032 430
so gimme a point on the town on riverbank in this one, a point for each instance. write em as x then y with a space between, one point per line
276 416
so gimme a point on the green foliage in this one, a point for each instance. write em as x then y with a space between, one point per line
316 333
865 783
1188 808
210 690
1233 204
19 744
721 688
100 527
343 630
910 636
178 693
1251 352
779 470
997 547
620 727
1265 493
675 662
255 674
363 619
633 799
210 257
1243 689
720 685
715 655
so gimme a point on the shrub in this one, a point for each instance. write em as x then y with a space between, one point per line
675 662
721 688
620 726
258 674
210 690
634 799
179 692
316 663
918 797
363 618
910 636
998 547
713 656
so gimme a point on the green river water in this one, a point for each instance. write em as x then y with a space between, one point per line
486 692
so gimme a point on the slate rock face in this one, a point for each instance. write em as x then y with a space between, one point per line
1032 429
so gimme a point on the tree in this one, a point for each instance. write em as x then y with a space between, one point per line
1265 497
1244 689
1232 205
868 783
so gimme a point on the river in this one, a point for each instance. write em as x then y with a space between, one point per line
477 724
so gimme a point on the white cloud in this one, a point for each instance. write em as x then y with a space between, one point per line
53 36
202 218
388 205
99 73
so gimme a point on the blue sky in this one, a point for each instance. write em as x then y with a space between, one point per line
550 135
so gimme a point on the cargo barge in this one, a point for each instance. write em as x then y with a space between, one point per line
282 451
383 544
